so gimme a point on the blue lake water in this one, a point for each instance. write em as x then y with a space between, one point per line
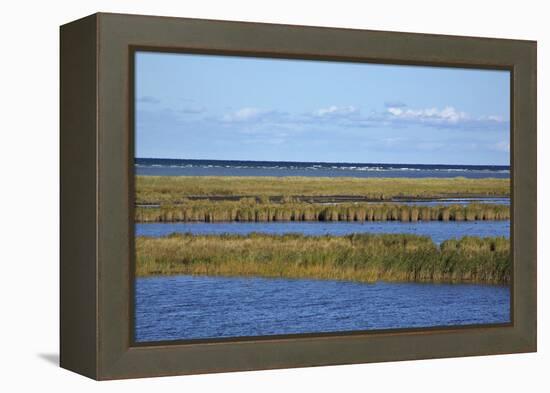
438 230
196 307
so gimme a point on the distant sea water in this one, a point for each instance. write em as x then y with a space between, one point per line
179 167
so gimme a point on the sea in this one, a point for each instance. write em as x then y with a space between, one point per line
181 167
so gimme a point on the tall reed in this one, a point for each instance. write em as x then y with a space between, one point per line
248 210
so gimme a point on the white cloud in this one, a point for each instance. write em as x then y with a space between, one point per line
395 111
255 120
429 115
400 115
243 114
495 118
336 110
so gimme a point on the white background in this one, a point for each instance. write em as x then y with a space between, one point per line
29 193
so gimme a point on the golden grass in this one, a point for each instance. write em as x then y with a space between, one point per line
357 257
171 189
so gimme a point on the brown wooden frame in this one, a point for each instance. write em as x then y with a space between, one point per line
97 195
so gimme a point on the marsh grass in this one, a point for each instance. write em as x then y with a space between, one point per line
249 210
356 257
172 189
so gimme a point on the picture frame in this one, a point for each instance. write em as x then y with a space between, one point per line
97 183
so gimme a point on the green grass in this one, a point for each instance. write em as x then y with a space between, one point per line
173 189
248 209
357 257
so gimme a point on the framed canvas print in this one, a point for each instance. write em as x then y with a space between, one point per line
241 196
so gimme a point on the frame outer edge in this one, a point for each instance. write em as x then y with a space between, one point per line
527 189
78 197
117 358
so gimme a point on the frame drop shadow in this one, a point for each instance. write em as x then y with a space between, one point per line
52 358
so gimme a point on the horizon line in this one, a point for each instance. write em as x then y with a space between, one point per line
318 162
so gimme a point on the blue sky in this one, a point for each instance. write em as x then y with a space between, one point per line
221 107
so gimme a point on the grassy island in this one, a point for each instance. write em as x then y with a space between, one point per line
173 189
357 257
